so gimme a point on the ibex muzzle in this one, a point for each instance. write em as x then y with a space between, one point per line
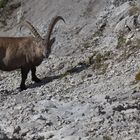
26 53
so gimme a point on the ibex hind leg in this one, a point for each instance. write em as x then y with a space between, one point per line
24 74
34 77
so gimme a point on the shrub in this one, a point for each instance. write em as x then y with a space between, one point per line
3 3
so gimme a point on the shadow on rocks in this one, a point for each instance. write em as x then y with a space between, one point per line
3 136
77 69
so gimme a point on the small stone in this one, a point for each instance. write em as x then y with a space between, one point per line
107 97
89 75
72 138
3 136
119 108
17 130
49 123
24 132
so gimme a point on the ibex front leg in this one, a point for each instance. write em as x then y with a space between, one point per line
34 77
24 73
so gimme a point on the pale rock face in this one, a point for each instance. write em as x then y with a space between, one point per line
88 89
20 15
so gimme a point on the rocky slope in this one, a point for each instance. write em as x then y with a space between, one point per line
90 88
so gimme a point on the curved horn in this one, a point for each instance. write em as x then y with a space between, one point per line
50 28
33 30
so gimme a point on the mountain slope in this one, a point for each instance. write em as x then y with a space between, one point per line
88 89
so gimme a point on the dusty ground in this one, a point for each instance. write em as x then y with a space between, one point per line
88 89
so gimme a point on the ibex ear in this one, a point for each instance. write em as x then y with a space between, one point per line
51 41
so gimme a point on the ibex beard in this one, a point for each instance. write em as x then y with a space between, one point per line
26 53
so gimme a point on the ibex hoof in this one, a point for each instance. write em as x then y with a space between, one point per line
37 80
22 87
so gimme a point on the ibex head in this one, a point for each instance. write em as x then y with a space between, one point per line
46 42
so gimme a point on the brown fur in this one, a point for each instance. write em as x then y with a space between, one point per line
17 52
26 53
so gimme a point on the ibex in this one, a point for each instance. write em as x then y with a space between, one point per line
26 53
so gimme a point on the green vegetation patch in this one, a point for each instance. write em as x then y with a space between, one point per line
134 10
3 3
65 74
137 77
131 48
98 33
107 138
121 41
98 61
87 45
